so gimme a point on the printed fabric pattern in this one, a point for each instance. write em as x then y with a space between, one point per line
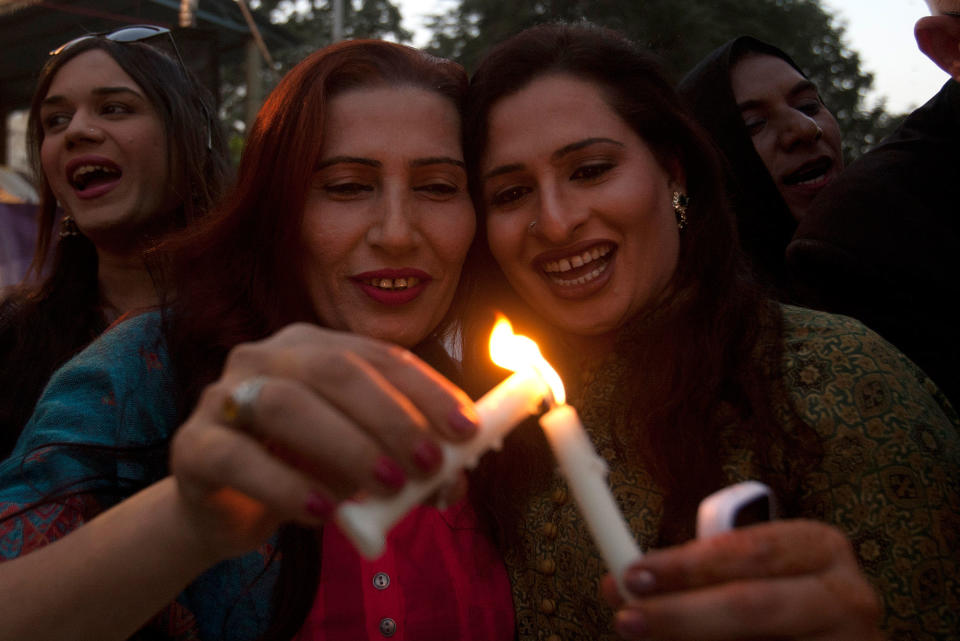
888 478
97 435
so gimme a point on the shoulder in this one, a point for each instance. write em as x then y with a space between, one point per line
836 342
103 416
808 330
834 366
131 334
129 354
117 391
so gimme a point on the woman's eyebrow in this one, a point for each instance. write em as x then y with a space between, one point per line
97 91
438 160
503 169
353 160
800 87
576 146
555 156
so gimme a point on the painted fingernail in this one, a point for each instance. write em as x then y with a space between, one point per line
631 623
427 455
463 420
389 473
639 581
319 506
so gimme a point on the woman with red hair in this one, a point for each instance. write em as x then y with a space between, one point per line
293 357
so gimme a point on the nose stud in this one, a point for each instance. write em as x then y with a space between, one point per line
531 226
819 133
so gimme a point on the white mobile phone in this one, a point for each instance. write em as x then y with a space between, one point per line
735 506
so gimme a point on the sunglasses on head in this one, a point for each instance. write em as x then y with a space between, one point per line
134 33
137 33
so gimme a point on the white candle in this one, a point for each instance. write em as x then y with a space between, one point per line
367 522
586 474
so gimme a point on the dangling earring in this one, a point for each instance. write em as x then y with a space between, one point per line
680 202
68 227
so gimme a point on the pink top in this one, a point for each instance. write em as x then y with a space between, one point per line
440 578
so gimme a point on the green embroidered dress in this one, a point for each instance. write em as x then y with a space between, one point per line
888 478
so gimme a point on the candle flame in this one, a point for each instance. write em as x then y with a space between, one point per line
514 352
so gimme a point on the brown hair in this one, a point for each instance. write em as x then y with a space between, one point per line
692 354
34 339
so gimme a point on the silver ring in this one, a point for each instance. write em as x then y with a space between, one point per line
533 223
238 407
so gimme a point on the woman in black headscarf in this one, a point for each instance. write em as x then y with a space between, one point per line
781 143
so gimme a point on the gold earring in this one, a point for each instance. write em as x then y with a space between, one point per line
680 202
68 227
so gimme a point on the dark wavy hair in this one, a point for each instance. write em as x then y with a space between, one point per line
48 319
689 356
241 275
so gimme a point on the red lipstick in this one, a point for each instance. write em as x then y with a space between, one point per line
393 286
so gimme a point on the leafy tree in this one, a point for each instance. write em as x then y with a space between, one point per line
310 22
683 34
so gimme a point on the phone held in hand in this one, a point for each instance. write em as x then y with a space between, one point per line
735 506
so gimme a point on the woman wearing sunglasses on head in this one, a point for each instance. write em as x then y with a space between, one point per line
288 372
120 137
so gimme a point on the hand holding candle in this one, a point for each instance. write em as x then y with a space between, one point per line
367 522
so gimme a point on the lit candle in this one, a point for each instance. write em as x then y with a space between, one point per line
366 522
586 474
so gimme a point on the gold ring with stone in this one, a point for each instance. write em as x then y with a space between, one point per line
238 406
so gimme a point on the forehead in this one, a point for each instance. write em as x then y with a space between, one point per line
554 92
757 75
92 68
381 117
554 109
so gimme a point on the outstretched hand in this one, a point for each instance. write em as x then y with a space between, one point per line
333 414
784 579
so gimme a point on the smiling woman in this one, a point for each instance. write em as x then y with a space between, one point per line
628 217
104 154
375 150
241 415
124 152
612 243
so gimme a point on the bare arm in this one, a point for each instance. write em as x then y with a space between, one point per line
107 578
334 408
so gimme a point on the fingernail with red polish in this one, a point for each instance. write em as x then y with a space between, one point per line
639 581
630 623
389 473
464 421
319 506
427 455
